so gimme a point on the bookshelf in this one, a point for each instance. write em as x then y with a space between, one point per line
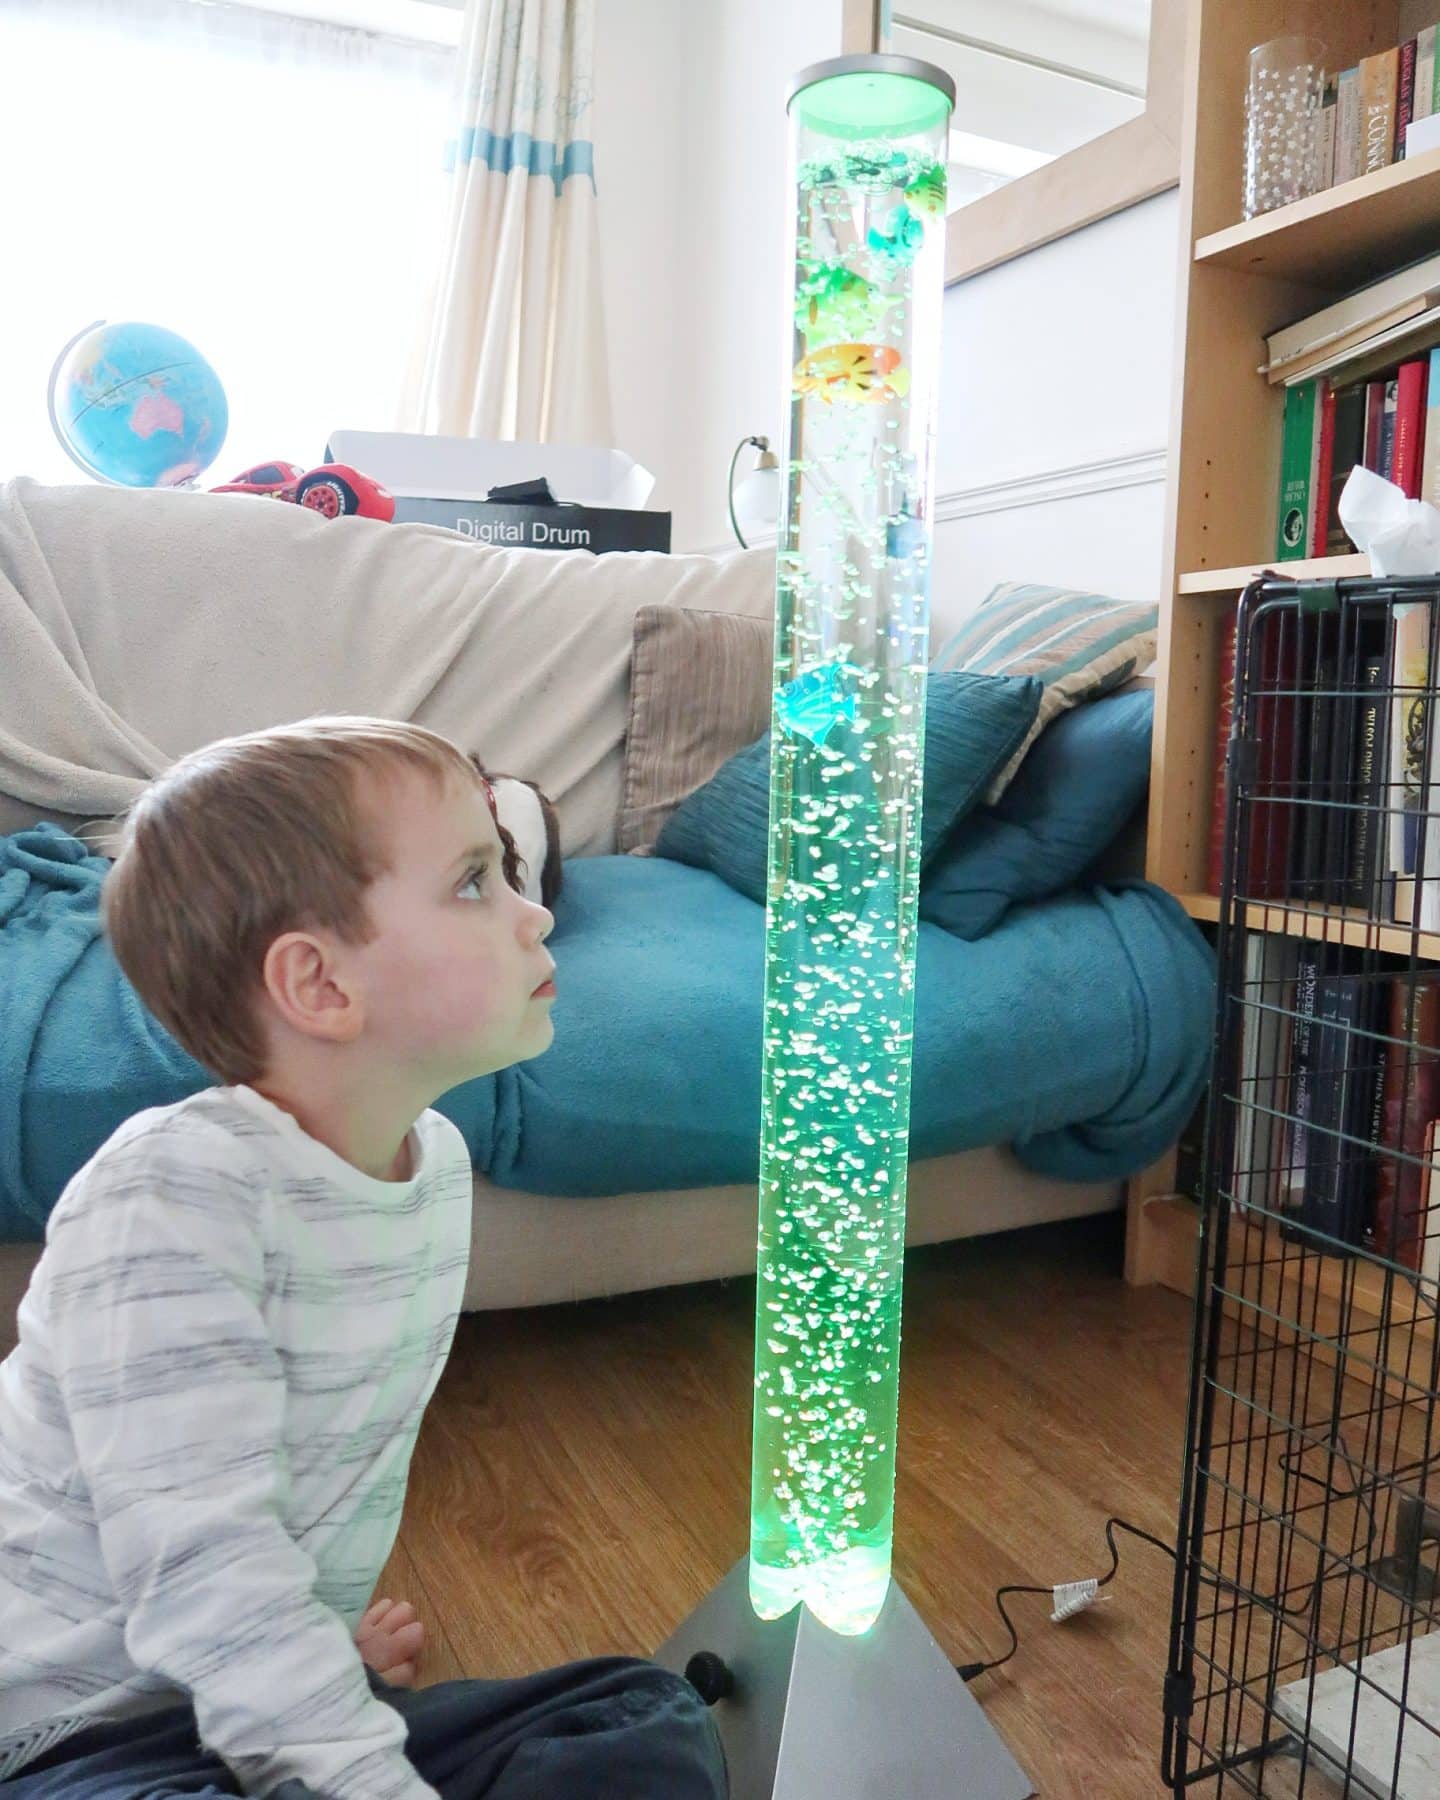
1238 281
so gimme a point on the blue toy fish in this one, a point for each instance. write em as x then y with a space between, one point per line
812 705
904 238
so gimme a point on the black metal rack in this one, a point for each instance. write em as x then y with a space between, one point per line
1305 1644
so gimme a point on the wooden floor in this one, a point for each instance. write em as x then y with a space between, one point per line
582 1480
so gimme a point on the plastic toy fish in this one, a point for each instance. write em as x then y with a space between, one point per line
870 372
904 238
812 705
834 302
926 193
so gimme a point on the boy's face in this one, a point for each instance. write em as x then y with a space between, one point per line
456 978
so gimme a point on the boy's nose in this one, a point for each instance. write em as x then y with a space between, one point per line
539 922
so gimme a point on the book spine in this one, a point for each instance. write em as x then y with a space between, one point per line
1324 472
1346 452
1425 73
1339 1078
1375 1126
1430 448
1410 663
1390 400
1302 1084
1378 78
1410 385
1292 532
1322 145
1404 97
1412 1088
1374 419
1347 125
1224 718
1367 788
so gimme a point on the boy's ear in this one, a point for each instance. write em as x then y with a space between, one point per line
310 990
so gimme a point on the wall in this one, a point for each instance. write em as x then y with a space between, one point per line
690 165
1050 459
1053 424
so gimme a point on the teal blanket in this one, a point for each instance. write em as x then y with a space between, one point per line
1077 1031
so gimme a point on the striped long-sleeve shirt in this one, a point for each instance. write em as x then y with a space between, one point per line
205 1434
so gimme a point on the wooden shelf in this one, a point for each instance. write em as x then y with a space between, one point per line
1340 238
1326 927
1309 568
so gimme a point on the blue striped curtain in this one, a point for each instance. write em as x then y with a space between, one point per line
514 345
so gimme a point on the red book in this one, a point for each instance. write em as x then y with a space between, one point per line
1405 96
1412 379
1411 1101
1324 469
1274 716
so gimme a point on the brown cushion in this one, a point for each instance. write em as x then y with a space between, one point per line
700 686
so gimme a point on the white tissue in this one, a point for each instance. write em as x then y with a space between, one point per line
1402 536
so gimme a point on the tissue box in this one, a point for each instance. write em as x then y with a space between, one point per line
444 481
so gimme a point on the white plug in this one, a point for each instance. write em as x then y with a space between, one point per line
1073 1597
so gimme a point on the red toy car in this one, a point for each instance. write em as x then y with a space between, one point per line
334 489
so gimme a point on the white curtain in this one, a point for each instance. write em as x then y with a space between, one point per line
514 344
265 185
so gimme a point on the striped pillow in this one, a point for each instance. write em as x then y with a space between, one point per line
1080 645
699 691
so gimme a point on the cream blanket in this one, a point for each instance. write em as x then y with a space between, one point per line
135 626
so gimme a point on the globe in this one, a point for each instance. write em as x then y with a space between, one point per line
137 406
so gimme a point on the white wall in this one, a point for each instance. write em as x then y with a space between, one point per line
690 166
1053 421
1055 414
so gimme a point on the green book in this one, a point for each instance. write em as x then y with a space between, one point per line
1297 460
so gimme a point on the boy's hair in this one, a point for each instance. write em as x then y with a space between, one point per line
242 841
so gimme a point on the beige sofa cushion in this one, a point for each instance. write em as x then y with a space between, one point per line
699 692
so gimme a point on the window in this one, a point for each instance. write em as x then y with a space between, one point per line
265 184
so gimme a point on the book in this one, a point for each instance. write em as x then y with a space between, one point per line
1371 453
1412 1100
1363 816
1322 146
1425 73
1323 482
1410 384
1410 664
1297 457
1430 1225
1346 451
1290 1198
1389 404
1404 98
1379 78
1334 1067
1347 125
1314 877
1260 1103
1430 437
1362 306
1265 855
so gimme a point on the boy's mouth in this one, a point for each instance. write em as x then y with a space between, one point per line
546 989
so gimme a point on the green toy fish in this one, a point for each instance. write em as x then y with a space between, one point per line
833 303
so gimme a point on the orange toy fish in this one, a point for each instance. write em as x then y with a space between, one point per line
852 372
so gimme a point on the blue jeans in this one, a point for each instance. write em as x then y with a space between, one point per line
610 1729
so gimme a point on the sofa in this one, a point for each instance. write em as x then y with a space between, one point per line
151 623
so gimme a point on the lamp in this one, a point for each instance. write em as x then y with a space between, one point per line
757 500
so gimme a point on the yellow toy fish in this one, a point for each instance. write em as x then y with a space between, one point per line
870 372
926 193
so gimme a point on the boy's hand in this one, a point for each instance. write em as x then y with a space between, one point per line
390 1639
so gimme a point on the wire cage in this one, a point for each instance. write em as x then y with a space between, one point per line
1305 1642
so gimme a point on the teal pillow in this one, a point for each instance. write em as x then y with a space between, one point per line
973 725
1078 785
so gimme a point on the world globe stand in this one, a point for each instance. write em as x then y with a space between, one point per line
825 1683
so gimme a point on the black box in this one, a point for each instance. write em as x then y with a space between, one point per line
595 528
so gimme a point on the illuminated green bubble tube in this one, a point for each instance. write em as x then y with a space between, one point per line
851 647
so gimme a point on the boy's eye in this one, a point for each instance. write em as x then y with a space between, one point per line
469 889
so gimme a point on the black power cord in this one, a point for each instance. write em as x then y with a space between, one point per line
968 1671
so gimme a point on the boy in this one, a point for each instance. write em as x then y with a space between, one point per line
246 1300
